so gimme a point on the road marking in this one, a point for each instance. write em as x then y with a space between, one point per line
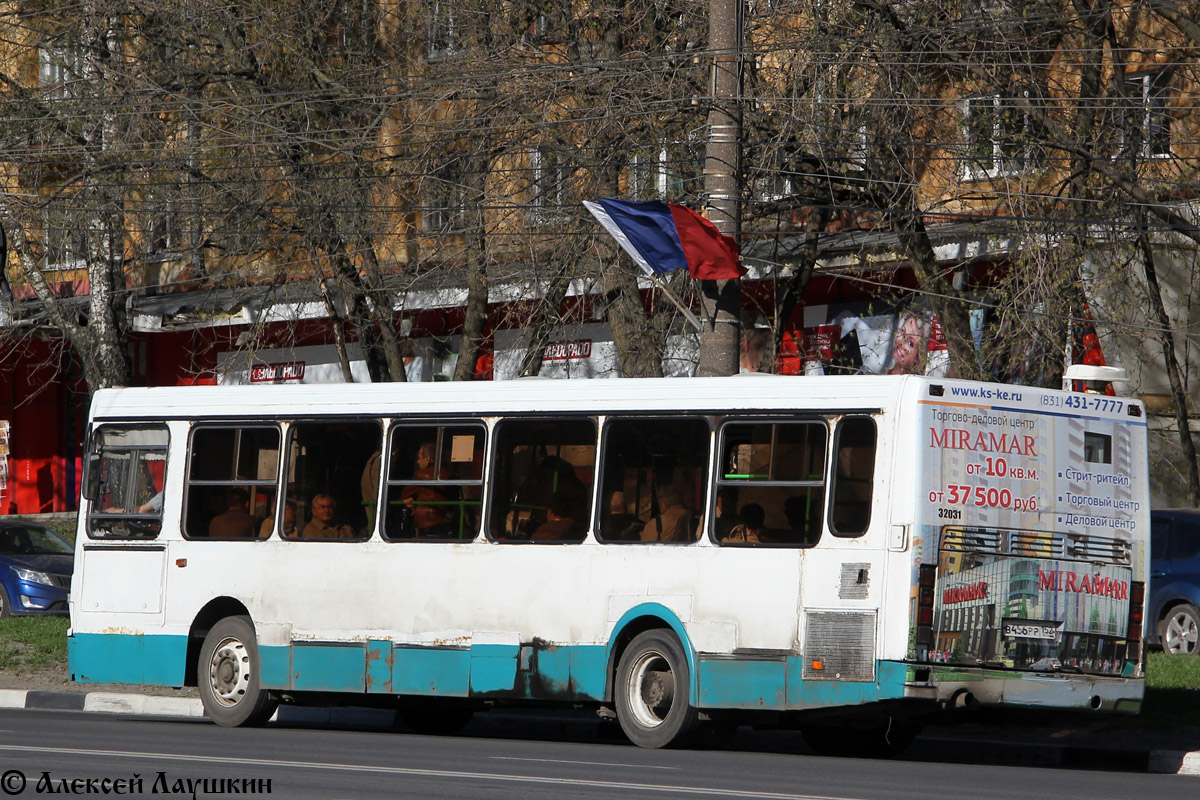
496 777
625 765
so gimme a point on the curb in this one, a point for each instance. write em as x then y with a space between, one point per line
185 707
1163 762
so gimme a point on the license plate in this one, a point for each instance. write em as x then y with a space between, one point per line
1025 630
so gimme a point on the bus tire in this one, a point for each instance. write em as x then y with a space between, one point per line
652 687
227 675
1179 631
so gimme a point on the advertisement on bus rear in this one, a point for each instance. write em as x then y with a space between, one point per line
1033 505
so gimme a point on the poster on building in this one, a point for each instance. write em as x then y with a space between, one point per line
4 453
577 351
855 339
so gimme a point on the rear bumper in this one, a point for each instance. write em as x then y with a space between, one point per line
966 686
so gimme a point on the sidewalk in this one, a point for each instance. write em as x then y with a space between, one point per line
1111 743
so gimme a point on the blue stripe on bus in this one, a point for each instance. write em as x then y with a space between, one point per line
329 667
379 666
778 685
127 658
743 683
576 673
275 667
436 672
493 668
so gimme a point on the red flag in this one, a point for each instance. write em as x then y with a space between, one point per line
711 255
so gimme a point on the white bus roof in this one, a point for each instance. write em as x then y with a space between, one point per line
532 395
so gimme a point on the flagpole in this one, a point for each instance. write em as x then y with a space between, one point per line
683 309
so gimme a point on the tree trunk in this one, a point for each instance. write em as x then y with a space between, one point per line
1174 374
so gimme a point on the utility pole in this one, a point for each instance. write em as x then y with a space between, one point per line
721 301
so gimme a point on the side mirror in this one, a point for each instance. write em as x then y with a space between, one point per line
91 477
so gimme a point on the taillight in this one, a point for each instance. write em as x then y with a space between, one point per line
1137 597
926 578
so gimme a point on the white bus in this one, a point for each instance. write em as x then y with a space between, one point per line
838 554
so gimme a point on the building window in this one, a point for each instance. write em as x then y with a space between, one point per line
58 66
998 137
163 237
671 171
1147 124
445 36
549 185
445 193
65 237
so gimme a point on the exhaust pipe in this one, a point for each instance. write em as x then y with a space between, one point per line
963 699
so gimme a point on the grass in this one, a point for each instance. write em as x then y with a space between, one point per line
1172 672
29 643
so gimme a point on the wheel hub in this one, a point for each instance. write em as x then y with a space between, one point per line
229 673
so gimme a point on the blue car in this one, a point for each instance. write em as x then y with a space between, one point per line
35 569
1173 618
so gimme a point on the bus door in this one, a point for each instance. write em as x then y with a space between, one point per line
842 578
120 558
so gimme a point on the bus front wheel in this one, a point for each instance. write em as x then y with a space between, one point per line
227 674
652 692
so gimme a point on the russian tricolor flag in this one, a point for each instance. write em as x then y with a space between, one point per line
663 237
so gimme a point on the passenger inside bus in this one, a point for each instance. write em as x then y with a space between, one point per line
553 475
560 523
621 525
727 518
289 522
673 522
235 522
429 505
322 524
750 529
803 515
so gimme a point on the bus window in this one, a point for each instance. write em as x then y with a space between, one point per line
231 482
328 464
652 479
127 468
434 482
854 473
771 487
543 480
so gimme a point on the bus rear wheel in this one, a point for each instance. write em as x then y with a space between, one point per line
227 674
652 692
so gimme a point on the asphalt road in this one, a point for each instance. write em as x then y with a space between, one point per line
516 758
